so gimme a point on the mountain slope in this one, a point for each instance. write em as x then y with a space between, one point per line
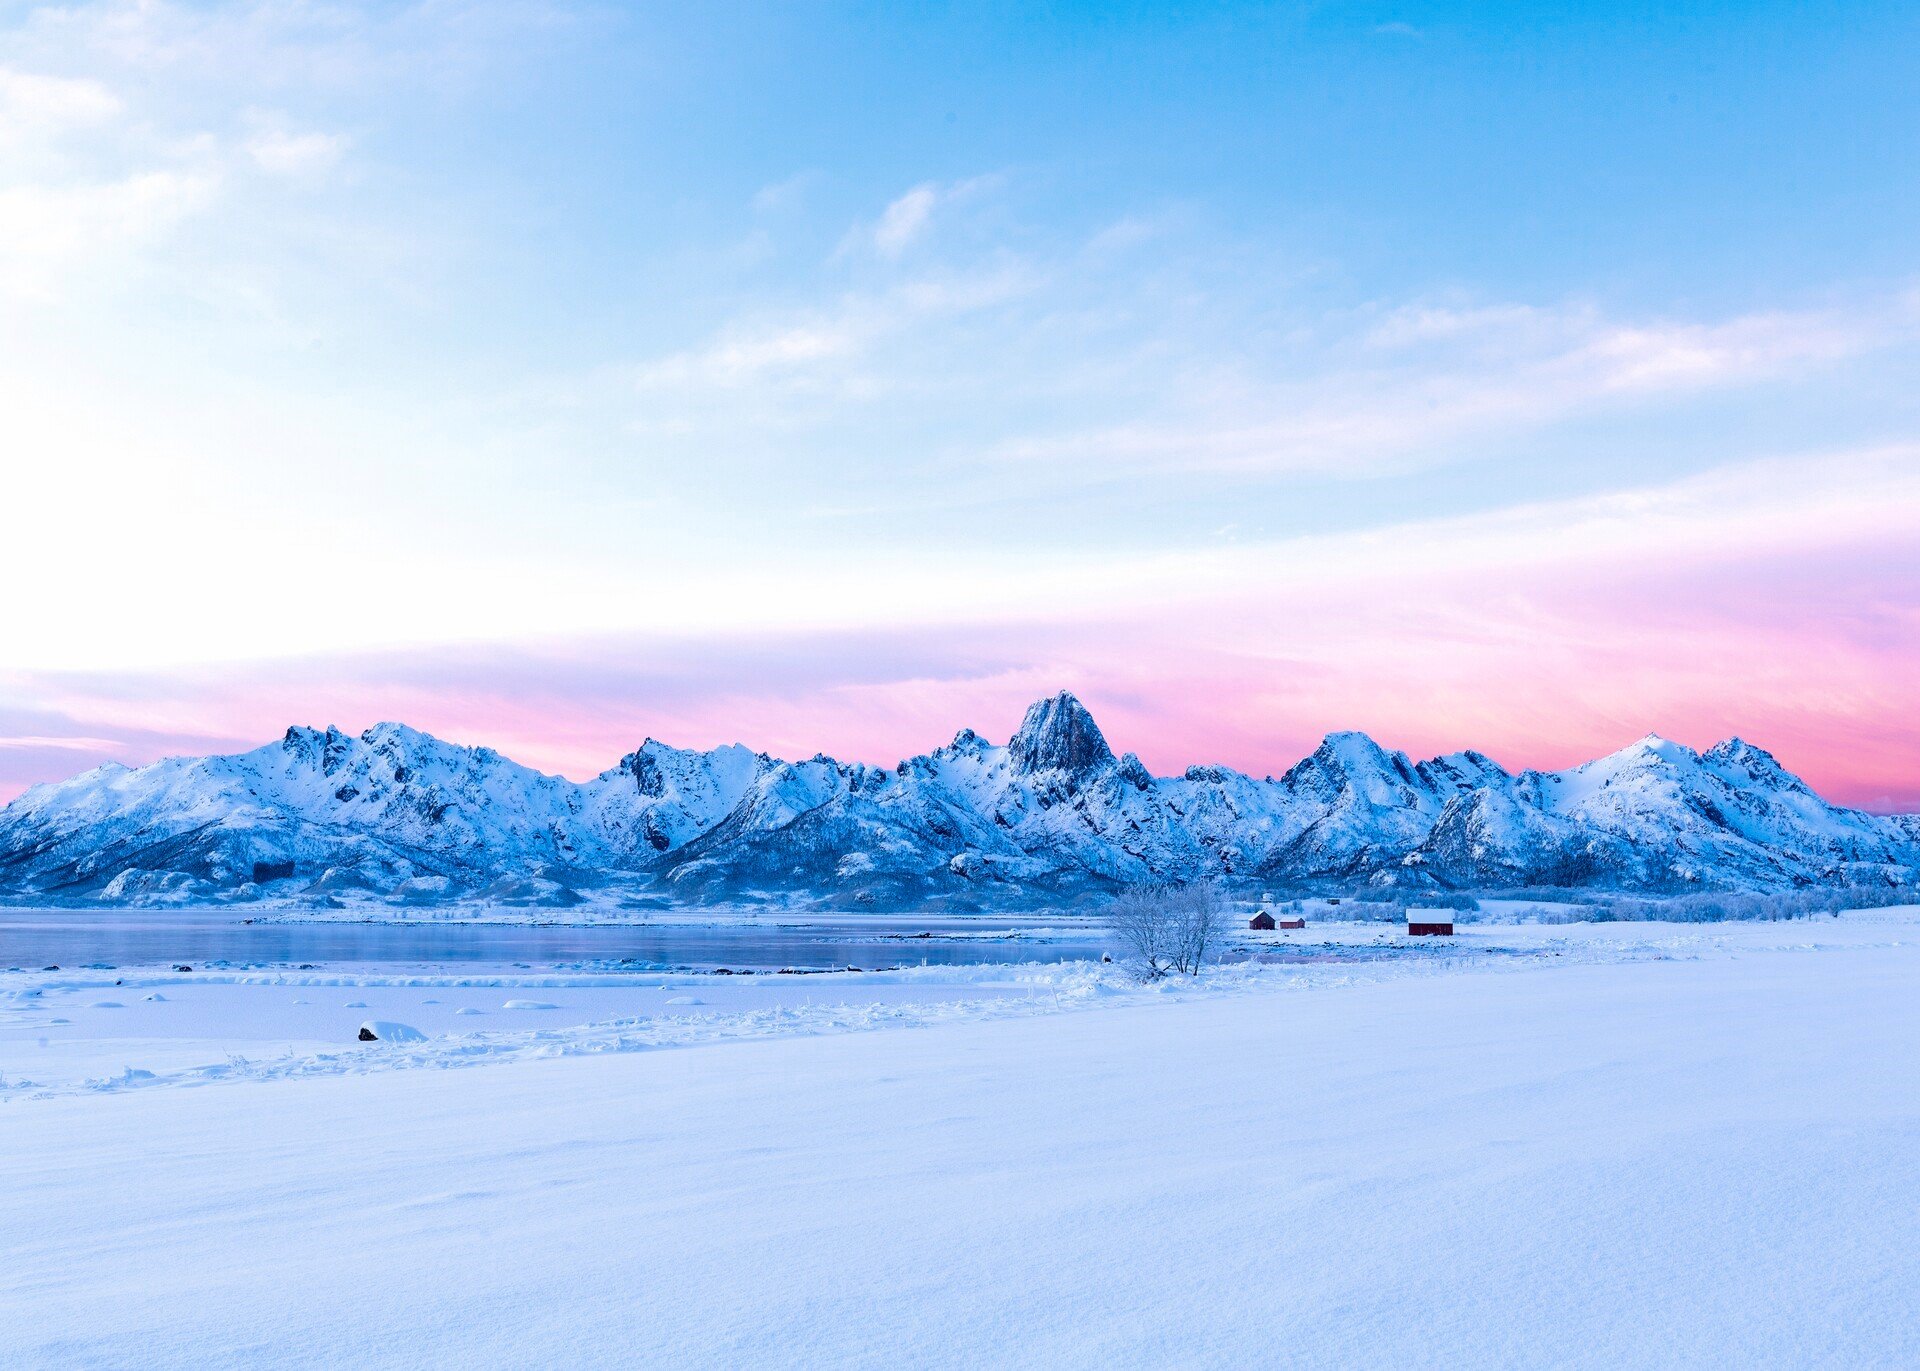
393 815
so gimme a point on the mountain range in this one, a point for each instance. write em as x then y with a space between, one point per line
393 816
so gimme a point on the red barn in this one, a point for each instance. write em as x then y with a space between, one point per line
1429 923
1295 922
1261 922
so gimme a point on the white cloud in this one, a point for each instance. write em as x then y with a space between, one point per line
905 219
64 744
1125 234
46 230
1762 507
295 154
92 176
783 194
744 357
31 99
802 349
1663 356
1412 325
1425 377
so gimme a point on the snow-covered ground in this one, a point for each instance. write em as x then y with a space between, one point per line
1589 1145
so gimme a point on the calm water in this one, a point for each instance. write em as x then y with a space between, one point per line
33 938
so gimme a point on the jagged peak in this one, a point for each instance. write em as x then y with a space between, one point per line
1469 769
389 732
1058 734
1651 749
1739 754
1739 749
1213 775
1352 745
654 747
302 735
654 765
1349 751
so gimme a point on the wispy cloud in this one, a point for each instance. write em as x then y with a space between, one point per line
48 230
286 153
785 193
70 744
1775 599
89 178
905 220
1089 359
33 101
121 120
1412 384
817 348
909 217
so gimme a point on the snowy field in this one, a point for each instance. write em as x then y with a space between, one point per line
1588 1145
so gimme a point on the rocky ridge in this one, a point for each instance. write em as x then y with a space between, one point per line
393 816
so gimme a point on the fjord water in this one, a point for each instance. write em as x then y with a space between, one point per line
33 938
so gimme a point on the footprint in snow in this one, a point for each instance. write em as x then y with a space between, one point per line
106 1004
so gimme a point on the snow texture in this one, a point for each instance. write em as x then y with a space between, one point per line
1633 1145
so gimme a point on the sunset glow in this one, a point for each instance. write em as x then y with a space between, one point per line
554 381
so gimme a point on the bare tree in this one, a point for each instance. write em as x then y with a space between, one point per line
1165 928
1142 923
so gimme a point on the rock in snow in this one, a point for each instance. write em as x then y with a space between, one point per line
396 817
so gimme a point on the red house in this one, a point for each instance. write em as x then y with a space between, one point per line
1261 922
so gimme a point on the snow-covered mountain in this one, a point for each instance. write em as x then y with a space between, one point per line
395 816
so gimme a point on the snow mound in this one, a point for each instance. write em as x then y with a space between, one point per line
686 999
387 1031
528 1004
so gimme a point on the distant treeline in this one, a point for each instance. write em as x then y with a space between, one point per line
1550 907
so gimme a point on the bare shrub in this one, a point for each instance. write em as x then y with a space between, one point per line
1370 912
1164 928
1717 906
1720 906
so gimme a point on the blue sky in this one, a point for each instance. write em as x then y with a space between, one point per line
1413 341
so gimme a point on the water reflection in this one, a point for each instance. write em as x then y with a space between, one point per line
30 939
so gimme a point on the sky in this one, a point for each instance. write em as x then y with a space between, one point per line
828 377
